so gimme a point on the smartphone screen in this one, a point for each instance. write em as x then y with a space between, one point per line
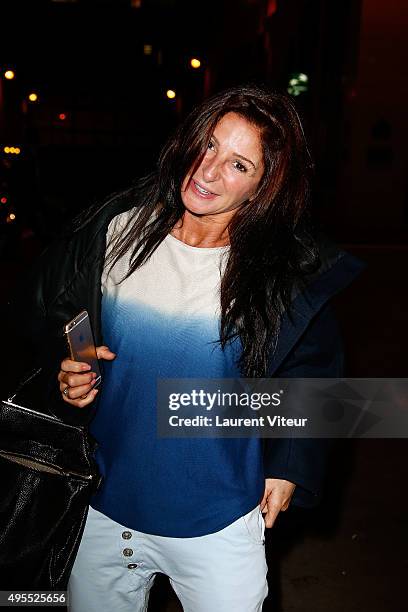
81 343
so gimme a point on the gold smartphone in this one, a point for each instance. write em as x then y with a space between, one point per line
81 343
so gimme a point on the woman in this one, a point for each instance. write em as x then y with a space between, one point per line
199 267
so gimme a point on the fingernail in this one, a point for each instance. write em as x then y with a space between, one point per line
85 366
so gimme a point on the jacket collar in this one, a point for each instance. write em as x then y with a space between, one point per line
338 269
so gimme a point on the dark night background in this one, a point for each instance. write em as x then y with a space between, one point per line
101 69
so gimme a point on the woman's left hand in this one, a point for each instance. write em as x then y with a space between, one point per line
277 496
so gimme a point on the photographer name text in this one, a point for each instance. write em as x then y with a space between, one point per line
217 421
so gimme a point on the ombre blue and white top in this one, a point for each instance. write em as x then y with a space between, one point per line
162 322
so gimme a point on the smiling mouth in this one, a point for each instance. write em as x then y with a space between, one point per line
201 189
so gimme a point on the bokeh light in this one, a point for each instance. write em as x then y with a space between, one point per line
12 150
298 84
195 63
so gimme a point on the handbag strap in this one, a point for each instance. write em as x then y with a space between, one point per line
28 378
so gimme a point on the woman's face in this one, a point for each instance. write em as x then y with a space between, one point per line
230 171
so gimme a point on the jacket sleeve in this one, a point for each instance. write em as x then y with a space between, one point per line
30 304
43 301
318 354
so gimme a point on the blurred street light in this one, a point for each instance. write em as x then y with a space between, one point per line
33 97
9 75
62 116
171 94
3 200
12 150
147 49
195 63
298 84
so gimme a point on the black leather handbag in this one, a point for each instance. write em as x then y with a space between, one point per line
47 477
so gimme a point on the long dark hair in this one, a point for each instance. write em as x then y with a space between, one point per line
271 250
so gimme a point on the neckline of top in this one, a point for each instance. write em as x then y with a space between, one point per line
189 247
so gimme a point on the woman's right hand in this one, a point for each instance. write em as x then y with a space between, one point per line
77 378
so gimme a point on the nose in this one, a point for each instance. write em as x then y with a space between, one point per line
210 169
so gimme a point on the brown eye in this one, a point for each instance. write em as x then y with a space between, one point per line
239 166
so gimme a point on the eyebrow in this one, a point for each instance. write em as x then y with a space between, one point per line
236 154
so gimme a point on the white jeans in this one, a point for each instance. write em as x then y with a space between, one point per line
220 572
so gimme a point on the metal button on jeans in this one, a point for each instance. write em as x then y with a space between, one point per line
128 552
132 566
126 535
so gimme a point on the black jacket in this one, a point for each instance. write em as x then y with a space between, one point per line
66 279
